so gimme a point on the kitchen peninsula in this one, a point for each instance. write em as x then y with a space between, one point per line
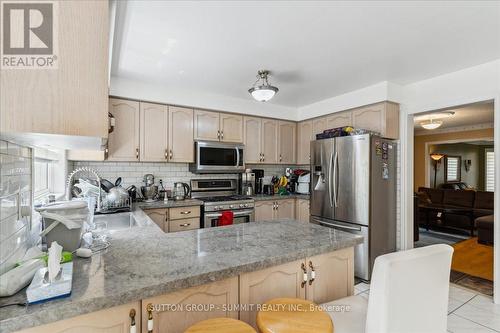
144 268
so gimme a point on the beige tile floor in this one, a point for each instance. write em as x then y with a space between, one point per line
468 311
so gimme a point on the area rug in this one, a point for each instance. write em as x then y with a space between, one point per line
473 259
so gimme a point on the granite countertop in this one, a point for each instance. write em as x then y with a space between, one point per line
144 262
263 197
169 204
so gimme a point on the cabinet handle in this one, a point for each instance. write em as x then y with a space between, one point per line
171 154
185 225
277 205
280 157
137 153
304 275
263 157
313 273
166 154
149 308
133 328
222 135
218 134
186 212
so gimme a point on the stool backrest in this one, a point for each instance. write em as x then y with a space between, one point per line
409 291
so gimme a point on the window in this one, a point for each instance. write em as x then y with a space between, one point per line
490 170
42 177
452 168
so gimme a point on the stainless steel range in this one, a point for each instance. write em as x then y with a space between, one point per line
220 195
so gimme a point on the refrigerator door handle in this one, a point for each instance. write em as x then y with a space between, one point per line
335 172
330 180
334 225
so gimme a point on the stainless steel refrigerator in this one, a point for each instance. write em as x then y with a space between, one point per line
353 188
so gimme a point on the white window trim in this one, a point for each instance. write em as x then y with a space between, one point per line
486 151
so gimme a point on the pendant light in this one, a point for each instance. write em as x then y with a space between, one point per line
262 91
431 124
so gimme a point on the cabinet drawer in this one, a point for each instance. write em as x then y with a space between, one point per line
184 224
183 212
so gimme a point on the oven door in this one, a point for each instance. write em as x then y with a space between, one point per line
216 157
240 216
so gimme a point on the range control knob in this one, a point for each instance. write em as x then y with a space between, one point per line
242 205
216 207
246 205
231 206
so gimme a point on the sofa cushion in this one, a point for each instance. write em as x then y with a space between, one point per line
434 194
485 222
484 200
458 198
424 198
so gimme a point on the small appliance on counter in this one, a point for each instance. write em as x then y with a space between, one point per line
303 183
149 190
181 191
247 182
259 181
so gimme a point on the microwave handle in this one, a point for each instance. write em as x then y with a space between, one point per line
237 157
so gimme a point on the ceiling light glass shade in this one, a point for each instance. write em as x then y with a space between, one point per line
431 124
437 156
262 91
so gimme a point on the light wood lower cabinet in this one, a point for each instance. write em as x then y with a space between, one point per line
112 320
302 210
279 281
175 219
213 300
334 276
274 209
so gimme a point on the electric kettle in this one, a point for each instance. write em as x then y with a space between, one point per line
181 191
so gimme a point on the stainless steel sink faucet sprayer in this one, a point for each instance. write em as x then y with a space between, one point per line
87 171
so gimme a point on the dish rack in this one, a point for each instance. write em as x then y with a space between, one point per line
115 207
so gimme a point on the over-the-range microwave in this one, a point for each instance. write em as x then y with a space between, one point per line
218 157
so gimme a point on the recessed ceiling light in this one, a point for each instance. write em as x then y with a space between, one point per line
264 91
431 124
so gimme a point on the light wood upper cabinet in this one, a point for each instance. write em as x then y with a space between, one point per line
261 286
264 210
123 142
231 127
334 276
153 130
71 99
287 142
252 139
304 137
206 125
381 117
339 119
319 125
285 209
180 134
218 294
269 141
112 320
302 209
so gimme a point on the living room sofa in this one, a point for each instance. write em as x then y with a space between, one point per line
469 204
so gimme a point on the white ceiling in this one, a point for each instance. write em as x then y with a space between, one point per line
315 50
467 116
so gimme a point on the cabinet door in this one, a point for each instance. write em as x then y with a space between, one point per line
319 125
261 286
369 117
270 141
264 210
217 294
123 142
304 137
180 134
231 127
339 119
287 142
285 209
334 276
184 224
154 126
113 320
302 210
71 99
159 216
206 125
253 137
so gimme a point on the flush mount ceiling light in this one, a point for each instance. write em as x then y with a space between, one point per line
431 124
262 91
